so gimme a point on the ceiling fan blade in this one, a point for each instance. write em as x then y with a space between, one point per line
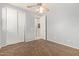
38 4
30 6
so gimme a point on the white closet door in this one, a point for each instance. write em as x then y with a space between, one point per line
21 25
0 26
11 26
4 26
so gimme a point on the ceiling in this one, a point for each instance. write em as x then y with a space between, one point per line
24 5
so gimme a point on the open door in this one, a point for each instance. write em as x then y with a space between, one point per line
40 26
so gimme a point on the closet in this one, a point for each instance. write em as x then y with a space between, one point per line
13 25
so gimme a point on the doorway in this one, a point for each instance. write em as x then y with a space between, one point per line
41 27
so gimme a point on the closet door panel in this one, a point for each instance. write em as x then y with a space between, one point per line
0 26
4 26
11 26
21 25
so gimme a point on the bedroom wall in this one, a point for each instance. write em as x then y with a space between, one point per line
63 24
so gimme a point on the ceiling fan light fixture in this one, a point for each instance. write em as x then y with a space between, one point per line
41 10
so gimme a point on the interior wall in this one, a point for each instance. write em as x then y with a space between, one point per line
63 23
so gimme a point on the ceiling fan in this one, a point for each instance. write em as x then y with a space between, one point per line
41 7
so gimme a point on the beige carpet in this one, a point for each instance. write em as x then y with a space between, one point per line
38 48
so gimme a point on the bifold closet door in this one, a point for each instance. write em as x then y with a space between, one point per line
4 26
0 26
21 25
18 26
11 26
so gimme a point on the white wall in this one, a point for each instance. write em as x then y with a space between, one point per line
63 24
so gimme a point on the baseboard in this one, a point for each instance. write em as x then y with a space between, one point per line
63 44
